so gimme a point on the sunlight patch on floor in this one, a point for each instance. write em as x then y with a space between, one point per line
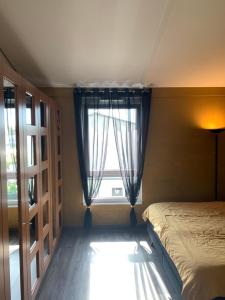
124 271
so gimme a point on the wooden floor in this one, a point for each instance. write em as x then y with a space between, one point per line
106 265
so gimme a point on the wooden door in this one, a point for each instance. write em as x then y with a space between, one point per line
11 205
46 180
37 187
2 280
2 192
33 173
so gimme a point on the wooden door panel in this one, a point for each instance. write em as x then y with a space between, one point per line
2 279
10 185
37 128
38 155
32 183
8 74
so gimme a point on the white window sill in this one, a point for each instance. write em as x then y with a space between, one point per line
113 201
12 203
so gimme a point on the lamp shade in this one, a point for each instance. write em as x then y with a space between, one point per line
216 130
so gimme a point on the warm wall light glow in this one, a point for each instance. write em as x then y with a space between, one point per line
211 118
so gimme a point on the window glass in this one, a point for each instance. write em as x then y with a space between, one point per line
45 214
29 109
58 145
31 159
112 189
34 270
32 191
59 170
60 219
44 152
43 114
33 231
44 181
58 120
59 195
46 246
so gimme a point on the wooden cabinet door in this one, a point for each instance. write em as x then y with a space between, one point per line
2 234
2 288
37 184
30 223
5 257
14 262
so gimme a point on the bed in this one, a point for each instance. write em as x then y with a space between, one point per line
190 238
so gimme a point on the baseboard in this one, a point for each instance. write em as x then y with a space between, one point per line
97 228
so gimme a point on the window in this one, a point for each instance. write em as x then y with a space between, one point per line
111 190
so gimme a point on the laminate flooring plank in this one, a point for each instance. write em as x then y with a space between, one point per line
106 265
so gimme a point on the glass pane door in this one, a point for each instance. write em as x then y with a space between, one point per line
2 279
12 188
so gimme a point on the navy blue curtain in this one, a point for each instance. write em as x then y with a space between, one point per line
131 138
130 109
91 142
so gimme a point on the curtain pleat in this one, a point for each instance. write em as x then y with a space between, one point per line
92 140
131 141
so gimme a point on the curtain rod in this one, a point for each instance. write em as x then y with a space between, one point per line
111 85
111 90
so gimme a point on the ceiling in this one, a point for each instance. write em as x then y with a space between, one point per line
113 42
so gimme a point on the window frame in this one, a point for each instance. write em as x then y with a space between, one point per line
116 200
110 174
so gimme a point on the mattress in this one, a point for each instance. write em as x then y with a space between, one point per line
193 234
167 263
